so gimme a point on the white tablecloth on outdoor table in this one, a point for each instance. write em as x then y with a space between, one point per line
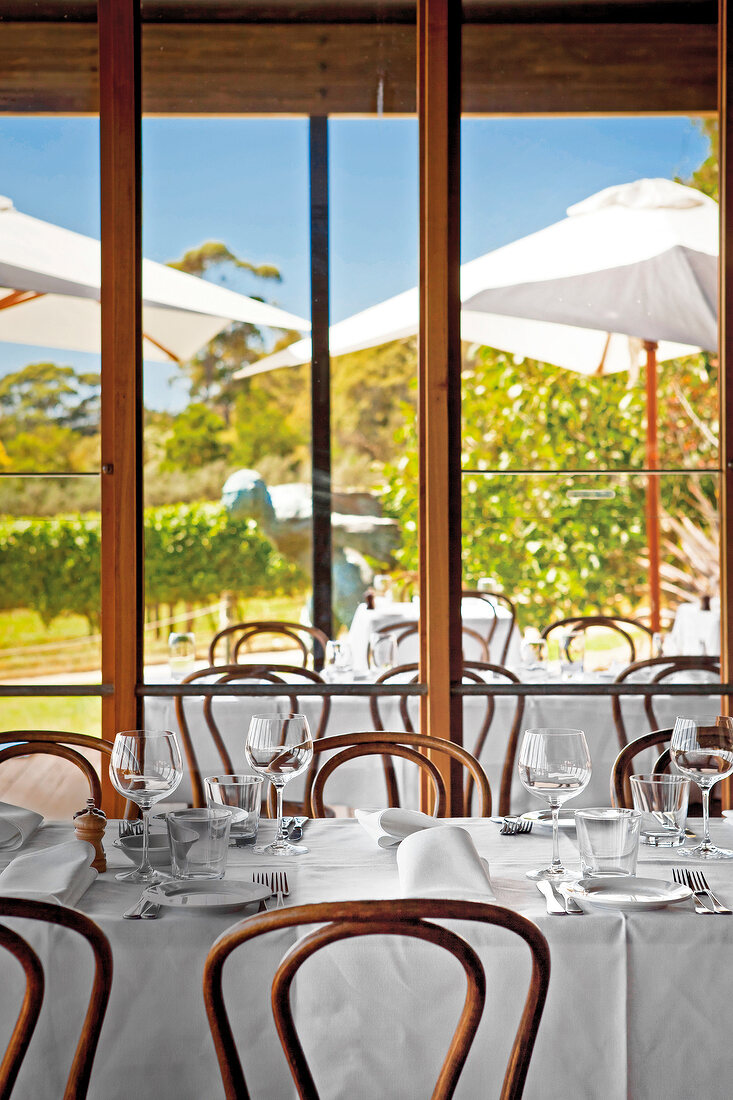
638 1005
695 631
477 615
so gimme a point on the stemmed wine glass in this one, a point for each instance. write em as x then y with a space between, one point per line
554 764
702 748
279 746
145 766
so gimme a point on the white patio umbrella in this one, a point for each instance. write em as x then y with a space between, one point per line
631 269
49 295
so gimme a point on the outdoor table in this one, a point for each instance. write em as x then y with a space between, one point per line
696 630
637 1003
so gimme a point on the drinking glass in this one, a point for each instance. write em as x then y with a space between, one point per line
702 749
572 653
181 655
339 663
279 746
554 765
145 766
382 652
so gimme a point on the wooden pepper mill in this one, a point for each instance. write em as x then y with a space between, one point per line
89 825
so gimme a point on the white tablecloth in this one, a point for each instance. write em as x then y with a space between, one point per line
637 1008
695 631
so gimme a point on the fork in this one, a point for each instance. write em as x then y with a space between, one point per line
277 881
129 828
513 826
681 875
699 884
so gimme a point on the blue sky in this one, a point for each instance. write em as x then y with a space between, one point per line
245 181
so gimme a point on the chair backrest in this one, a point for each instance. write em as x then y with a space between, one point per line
58 743
617 623
624 763
473 671
390 743
473 642
81 1067
230 674
411 917
308 640
493 599
665 667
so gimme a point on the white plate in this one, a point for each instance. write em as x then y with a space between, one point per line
543 818
627 893
207 895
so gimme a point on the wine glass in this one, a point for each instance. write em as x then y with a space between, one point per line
702 748
554 764
279 746
145 766
339 663
382 652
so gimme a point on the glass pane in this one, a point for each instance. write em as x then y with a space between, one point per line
50 596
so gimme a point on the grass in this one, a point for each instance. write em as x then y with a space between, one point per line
77 715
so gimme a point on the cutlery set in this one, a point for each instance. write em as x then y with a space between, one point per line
514 826
705 899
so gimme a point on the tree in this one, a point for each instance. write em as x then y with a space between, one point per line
40 392
195 440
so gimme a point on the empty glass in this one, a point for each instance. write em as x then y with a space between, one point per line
181 655
339 662
382 652
242 796
662 802
554 764
279 747
572 653
199 839
608 839
702 748
534 649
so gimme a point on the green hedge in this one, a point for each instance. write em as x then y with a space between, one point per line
193 552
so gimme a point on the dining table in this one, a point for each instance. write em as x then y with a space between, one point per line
637 1006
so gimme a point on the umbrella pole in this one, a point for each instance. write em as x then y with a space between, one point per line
653 495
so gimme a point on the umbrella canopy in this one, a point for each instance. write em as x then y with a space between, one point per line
633 263
49 295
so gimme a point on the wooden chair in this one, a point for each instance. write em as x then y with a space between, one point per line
616 623
58 743
343 920
388 743
623 765
472 671
403 630
308 639
666 666
494 598
229 674
81 1067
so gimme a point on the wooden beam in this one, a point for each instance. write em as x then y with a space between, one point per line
121 343
320 380
725 343
312 69
439 374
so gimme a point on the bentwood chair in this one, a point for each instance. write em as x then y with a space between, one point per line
350 746
309 641
81 1067
494 598
16 743
474 645
624 628
655 671
287 675
346 920
624 764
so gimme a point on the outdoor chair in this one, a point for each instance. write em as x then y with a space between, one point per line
624 764
472 671
618 624
667 667
17 743
230 674
390 743
81 1067
345 920
474 646
308 640
494 598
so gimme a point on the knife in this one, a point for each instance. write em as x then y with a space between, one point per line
555 907
296 832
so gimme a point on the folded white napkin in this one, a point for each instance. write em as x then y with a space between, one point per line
390 827
62 873
16 825
443 864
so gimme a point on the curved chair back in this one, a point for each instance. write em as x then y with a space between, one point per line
58 743
386 743
308 640
620 625
665 667
472 671
494 598
229 674
81 1067
403 630
411 917
623 766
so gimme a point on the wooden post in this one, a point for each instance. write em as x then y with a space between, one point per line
725 346
320 380
121 321
653 493
439 112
